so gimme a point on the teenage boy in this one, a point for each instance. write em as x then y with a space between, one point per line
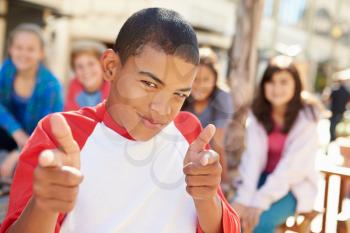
138 154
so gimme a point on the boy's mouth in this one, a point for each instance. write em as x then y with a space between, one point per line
150 123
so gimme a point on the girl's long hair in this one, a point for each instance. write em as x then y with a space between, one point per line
262 108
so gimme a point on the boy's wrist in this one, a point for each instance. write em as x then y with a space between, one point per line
34 219
35 207
209 212
213 201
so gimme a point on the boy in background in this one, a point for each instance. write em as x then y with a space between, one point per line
88 88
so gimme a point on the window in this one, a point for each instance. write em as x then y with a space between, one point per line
292 13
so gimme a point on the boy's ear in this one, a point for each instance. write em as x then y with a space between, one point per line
111 64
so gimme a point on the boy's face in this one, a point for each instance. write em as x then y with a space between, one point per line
89 71
148 90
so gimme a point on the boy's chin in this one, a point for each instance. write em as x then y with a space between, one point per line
143 134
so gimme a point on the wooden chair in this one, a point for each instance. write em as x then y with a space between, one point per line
302 227
344 173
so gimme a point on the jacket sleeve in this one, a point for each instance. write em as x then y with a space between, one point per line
54 99
8 122
21 189
253 161
297 161
230 219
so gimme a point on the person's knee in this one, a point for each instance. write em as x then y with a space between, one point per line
265 227
268 223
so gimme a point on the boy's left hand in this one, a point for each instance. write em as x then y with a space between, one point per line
202 167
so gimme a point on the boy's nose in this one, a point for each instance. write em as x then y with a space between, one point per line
161 105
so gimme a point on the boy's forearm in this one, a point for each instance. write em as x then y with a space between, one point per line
209 214
34 220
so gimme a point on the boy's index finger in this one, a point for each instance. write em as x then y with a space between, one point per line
49 158
63 134
203 138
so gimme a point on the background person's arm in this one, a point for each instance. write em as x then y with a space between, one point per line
218 146
223 114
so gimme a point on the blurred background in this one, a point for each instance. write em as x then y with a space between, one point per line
245 34
317 32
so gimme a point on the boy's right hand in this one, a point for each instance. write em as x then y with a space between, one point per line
57 177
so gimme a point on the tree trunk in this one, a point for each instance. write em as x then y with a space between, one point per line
242 72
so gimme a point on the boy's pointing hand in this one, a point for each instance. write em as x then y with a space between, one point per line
202 167
57 177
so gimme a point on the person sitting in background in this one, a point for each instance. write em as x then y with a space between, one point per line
210 103
337 96
278 175
28 92
88 88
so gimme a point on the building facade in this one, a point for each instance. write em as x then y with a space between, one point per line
65 21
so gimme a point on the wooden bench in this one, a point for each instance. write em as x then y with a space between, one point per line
302 227
344 173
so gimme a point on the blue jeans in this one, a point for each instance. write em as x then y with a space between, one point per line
278 212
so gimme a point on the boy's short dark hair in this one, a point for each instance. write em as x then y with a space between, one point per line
160 28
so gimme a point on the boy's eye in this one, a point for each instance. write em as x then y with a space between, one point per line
149 84
181 95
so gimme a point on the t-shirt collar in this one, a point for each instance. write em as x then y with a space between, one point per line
112 124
